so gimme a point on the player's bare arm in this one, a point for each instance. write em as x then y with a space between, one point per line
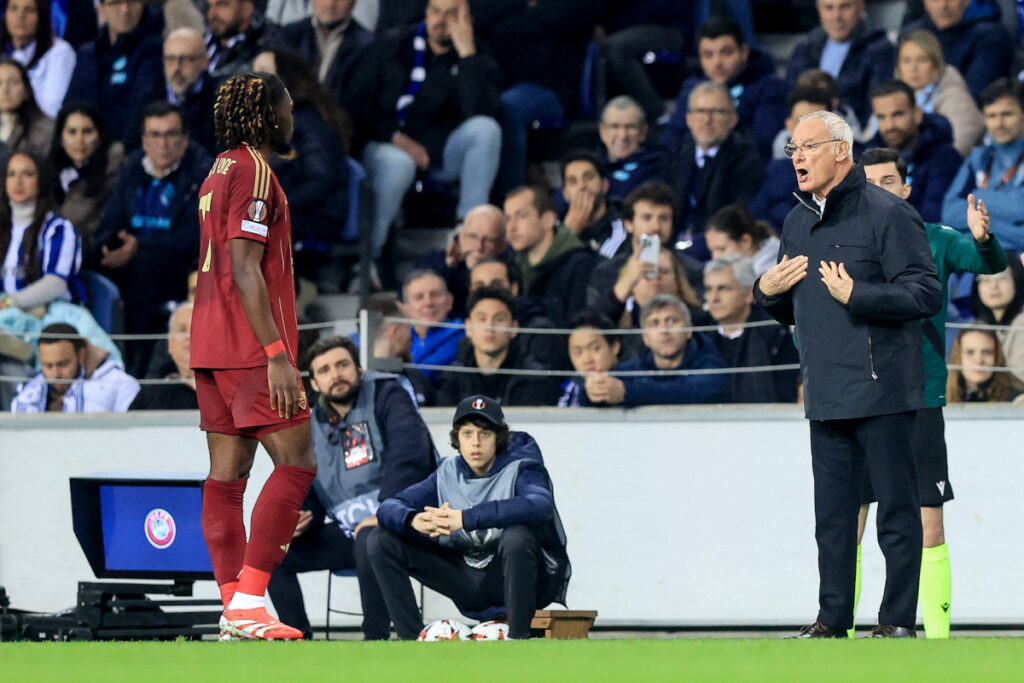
285 386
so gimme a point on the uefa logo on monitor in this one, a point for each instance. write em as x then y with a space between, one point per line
160 529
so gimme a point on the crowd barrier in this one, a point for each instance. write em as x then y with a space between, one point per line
676 516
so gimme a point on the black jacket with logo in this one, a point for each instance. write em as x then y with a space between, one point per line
863 358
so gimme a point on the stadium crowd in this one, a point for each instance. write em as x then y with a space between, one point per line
617 170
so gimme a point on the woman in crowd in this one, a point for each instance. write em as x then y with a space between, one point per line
315 178
939 87
23 127
86 163
26 35
998 300
978 351
41 252
733 230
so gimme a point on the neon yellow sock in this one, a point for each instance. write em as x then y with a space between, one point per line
856 597
935 593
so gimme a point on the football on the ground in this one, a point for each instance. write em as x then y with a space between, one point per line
444 629
489 630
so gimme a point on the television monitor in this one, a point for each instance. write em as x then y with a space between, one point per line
141 525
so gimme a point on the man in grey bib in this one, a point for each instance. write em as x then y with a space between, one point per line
370 442
482 529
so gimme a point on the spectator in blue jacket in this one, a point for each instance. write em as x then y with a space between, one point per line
149 233
758 95
669 347
857 55
629 159
775 199
925 141
483 529
980 48
118 69
993 172
427 300
593 348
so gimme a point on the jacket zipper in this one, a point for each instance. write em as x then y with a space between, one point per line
871 358
812 208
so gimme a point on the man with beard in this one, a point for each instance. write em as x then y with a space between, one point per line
75 378
237 34
924 141
370 443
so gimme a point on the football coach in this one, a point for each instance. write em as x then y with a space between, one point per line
859 334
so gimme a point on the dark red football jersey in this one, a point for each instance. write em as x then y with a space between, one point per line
241 199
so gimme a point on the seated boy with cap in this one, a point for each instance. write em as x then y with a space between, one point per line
482 529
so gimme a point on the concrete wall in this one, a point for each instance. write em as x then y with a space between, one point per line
675 516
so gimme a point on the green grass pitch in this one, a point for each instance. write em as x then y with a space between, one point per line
959 659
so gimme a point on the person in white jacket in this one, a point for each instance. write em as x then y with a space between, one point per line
75 378
26 34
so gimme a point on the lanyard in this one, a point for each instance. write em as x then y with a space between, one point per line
1006 176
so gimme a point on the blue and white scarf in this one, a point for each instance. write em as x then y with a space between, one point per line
416 76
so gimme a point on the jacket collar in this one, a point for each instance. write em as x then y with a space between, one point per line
853 182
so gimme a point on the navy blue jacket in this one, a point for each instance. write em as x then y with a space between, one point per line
119 77
300 37
700 354
775 199
757 346
931 165
315 180
625 175
870 61
533 504
980 49
181 242
733 176
862 358
759 96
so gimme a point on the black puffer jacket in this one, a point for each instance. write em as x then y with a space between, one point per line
862 358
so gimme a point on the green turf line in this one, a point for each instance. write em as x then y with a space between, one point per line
965 659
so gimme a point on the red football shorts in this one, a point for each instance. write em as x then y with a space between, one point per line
237 402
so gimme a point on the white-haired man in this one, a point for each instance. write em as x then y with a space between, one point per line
859 335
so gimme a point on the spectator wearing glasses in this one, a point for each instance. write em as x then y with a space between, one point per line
629 159
187 85
26 34
758 95
846 46
117 70
993 171
149 234
716 164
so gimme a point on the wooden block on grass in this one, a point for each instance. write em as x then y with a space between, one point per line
562 624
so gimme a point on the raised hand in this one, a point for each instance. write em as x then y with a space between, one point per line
978 219
782 277
838 281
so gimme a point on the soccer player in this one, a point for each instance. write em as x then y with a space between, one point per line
244 345
953 252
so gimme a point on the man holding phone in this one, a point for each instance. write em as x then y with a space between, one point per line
648 212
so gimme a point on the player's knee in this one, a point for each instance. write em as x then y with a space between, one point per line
379 543
517 539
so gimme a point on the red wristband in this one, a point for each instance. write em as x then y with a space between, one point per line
273 348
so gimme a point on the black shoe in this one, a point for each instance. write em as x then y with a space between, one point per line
818 630
890 631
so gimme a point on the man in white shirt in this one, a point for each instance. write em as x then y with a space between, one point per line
73 380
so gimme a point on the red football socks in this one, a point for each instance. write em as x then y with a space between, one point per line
224 531
273 523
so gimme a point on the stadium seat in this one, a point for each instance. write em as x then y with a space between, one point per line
340 573
103 301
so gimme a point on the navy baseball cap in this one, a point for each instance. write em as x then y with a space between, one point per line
484 406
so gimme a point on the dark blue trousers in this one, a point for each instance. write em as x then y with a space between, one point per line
842 453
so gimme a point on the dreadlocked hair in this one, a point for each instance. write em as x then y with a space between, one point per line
244 111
